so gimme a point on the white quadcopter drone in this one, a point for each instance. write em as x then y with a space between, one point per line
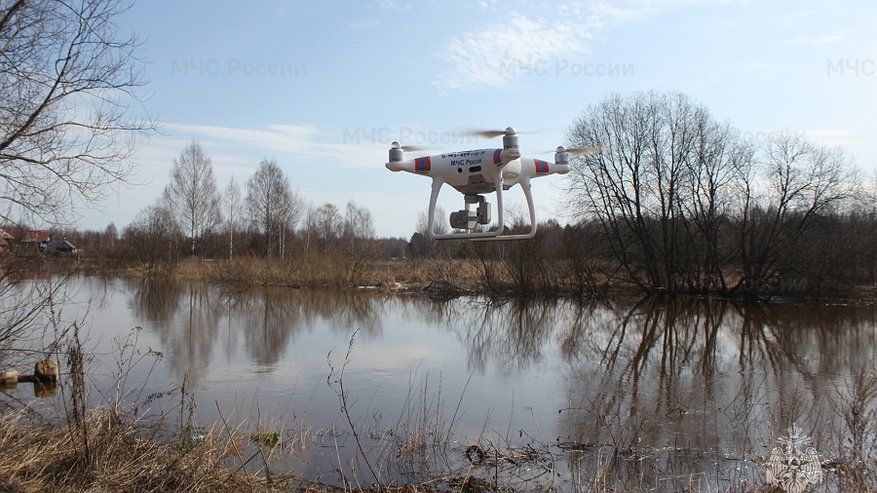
479 172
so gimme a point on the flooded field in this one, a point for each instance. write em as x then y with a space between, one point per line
530 395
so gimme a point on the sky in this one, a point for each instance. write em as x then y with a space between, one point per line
323 88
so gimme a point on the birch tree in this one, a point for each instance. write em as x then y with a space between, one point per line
273 207
192 195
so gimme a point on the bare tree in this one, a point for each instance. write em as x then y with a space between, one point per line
153 236
688 206
111 235
792 182
633 187
233 200
192 195
325 225
68 79
661 188
358 245
273 207
710 200
422 244
358 222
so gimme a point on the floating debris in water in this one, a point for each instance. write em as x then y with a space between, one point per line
267 438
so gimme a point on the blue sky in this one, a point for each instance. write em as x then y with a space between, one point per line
323 88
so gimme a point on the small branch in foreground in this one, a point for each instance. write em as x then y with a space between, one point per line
342 397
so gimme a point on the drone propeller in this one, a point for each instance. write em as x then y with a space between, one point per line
488 134
413 148
585 150
396 145
491 134
576 151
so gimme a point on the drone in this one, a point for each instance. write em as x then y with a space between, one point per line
480 172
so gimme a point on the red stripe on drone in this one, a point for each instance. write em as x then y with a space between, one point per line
422 164
541 166
497 157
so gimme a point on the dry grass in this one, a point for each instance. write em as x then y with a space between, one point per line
457 276
439 277
115 456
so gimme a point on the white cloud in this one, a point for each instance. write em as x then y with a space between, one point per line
301 142
518 46
826 38
502 52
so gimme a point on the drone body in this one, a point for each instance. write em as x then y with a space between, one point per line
477 173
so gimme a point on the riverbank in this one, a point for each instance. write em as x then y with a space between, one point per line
439 277
460 277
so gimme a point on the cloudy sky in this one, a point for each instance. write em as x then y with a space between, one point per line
324 87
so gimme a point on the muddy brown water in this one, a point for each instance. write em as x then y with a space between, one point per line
639 395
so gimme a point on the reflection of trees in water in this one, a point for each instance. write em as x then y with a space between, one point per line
268 318
345 310
190 318
155 301
707 375
511 335
271 317
186 316
98 289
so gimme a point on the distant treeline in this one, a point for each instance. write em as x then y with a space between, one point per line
830 254
674 204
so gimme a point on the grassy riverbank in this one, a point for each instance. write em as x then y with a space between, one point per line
108 452
458 276
434 276
452 277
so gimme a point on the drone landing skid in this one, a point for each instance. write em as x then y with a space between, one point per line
469 219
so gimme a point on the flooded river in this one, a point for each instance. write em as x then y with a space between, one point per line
559 394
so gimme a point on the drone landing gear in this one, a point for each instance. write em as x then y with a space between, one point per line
477 212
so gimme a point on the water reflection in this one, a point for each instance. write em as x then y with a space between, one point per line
647 390
511 335
191 318
655 384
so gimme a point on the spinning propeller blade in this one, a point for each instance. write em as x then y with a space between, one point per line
490 134
576 151
413 148
584 151
487 134
396 145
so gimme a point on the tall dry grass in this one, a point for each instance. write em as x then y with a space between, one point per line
119 458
